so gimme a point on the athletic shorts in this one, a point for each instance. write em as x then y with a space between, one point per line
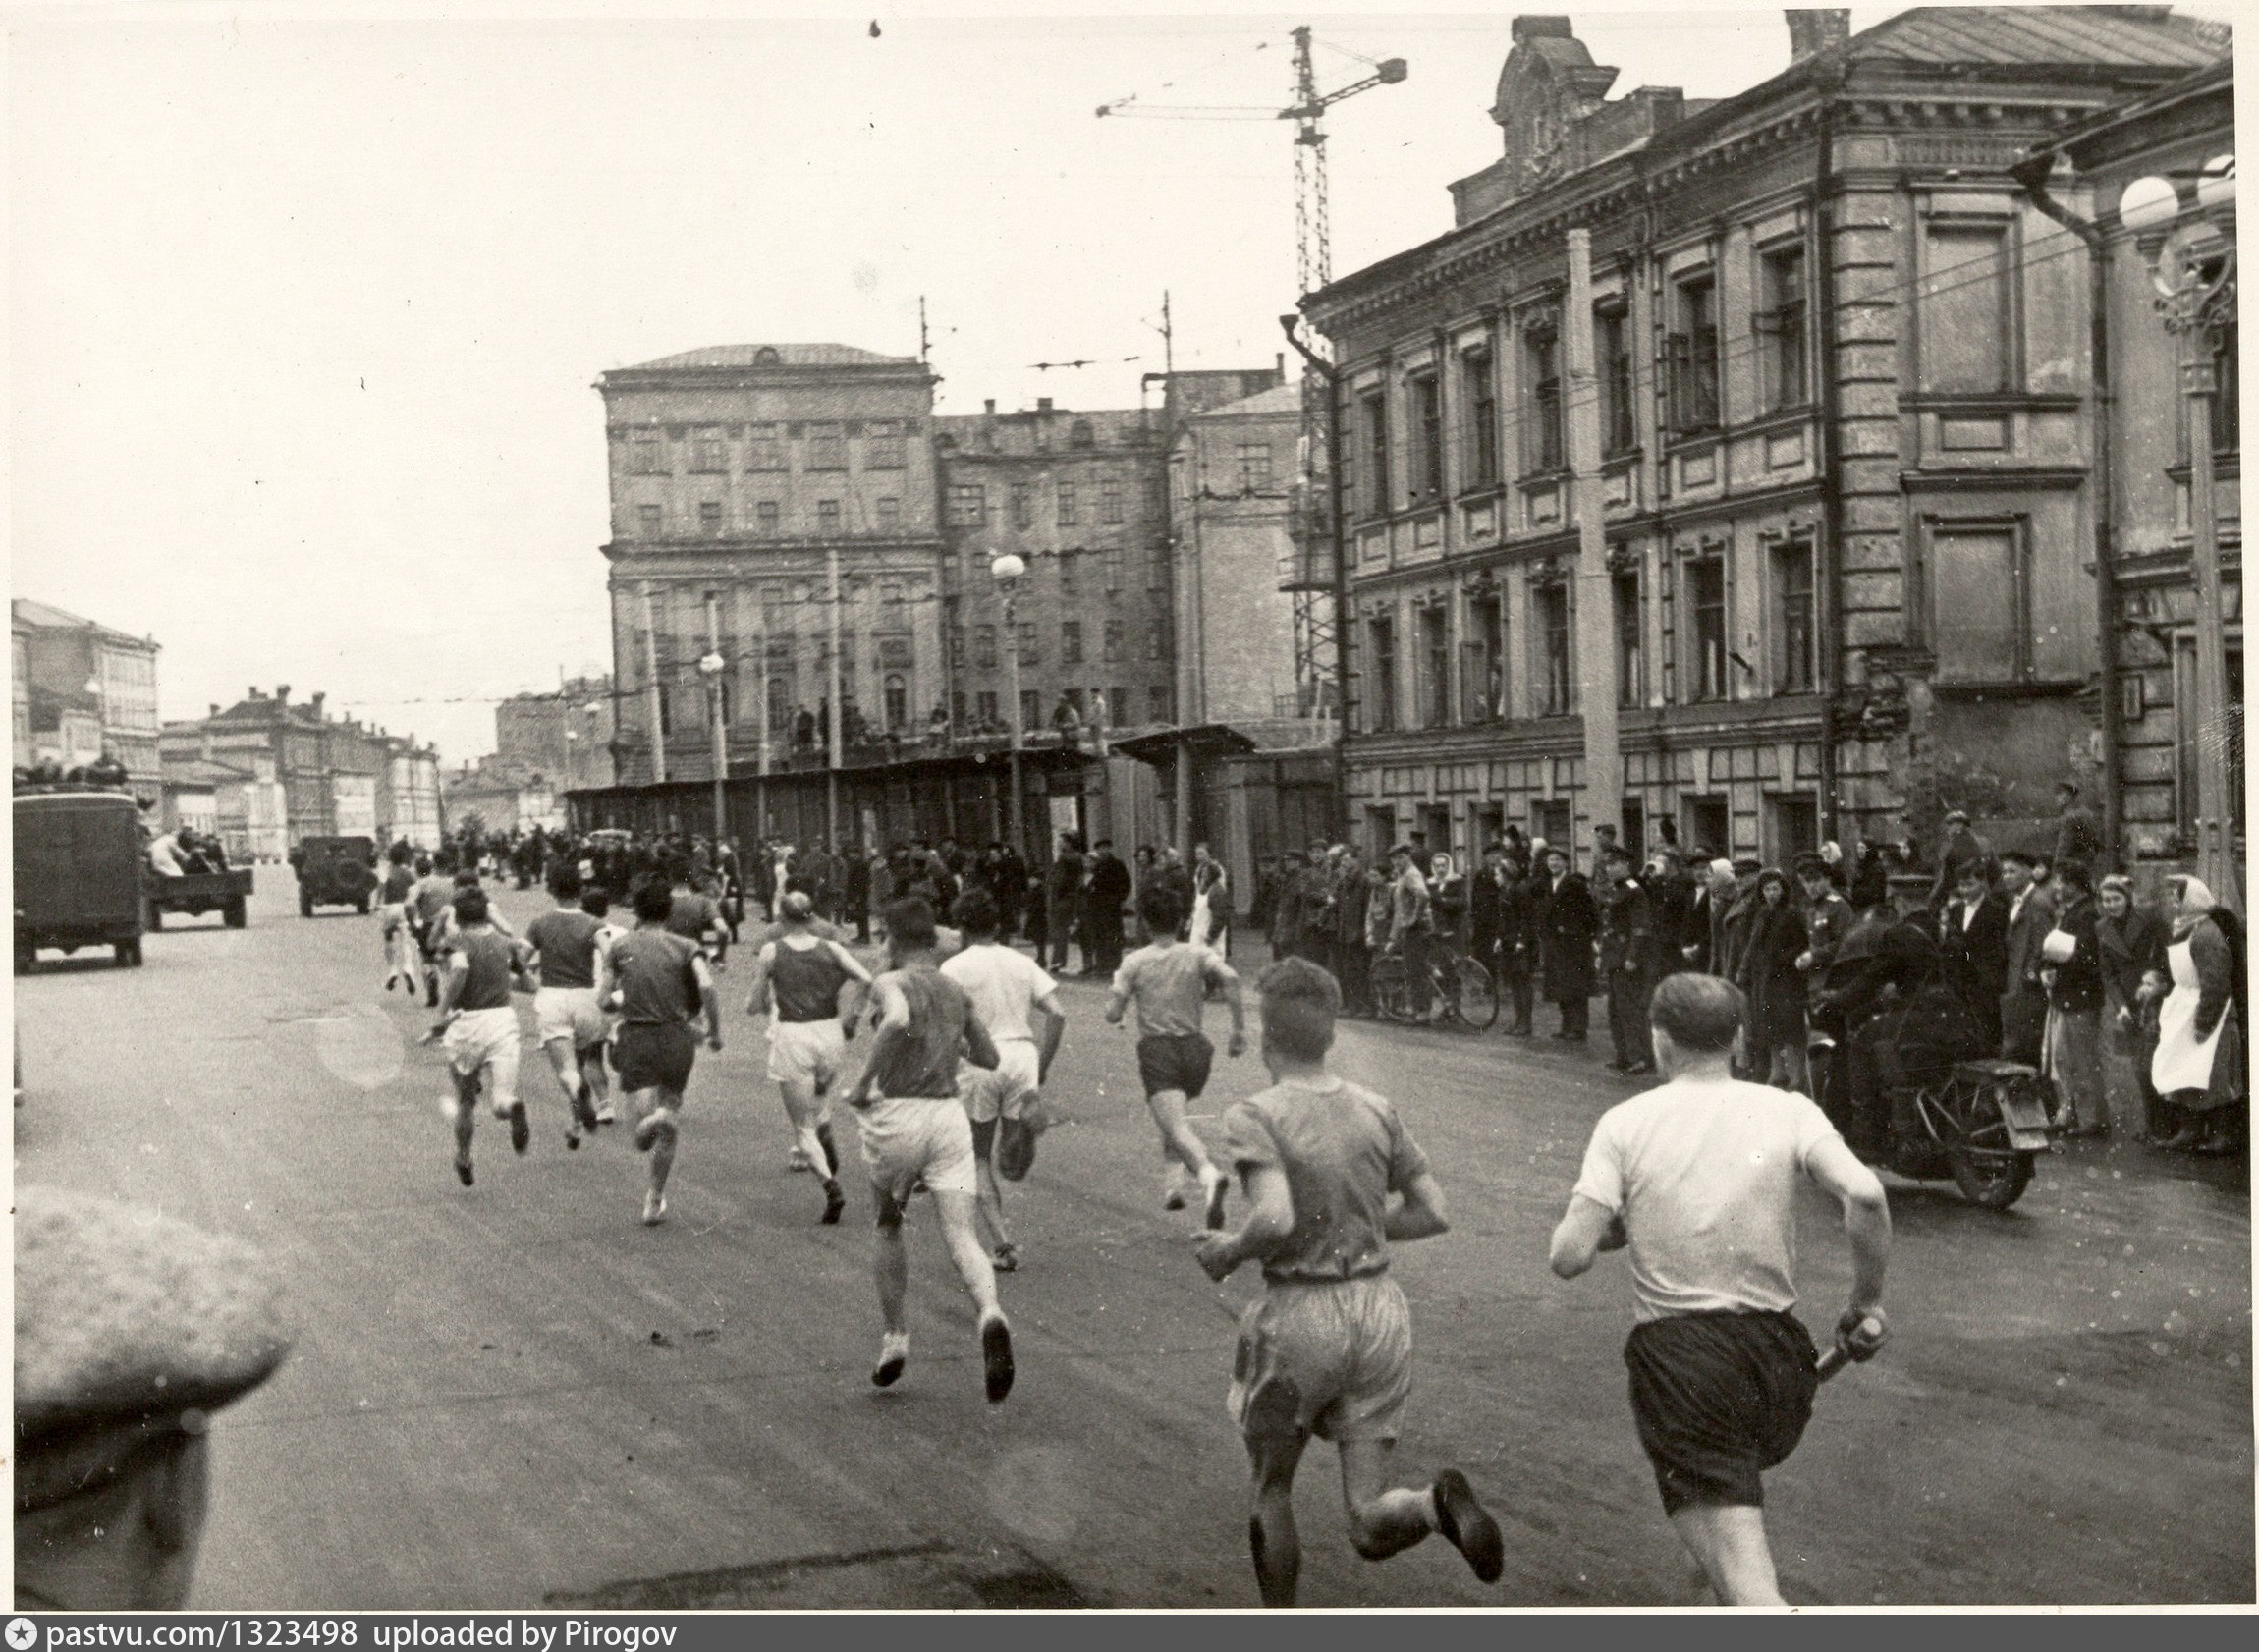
654 1055
478 1039
393 916
1005 1093
569 1013
1177 1061
1331 1358
1719 1398
908 1138
807 1052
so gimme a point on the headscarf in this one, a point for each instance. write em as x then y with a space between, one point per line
2195 899
1442 866
1721 875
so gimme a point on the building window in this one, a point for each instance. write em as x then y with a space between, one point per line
1156 495
1545 448
1160 704
956 633
2227 392
1113 562
1382 642
764 448
1071 643
1976 603
765 519
827 447
1794 616
1631 678
708 452
1964 310
828 517
1066 493
1119 710
890 516
1435 666
1069 581
650 521
1552 605
984 647
1031 709
1427 432
1028 650
896 693
1706 600
1481 683
884 448
647 454
666 710
1781 329
710 517
1481 388
968 504
984 706
1157 640
1022 504
1113 640
1081 435
1110 504
957 711
1254 466
1376 433
1619 431
1157 569
779 705
1692 356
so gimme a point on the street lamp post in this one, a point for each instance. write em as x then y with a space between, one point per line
2190 251
711 665
1007 571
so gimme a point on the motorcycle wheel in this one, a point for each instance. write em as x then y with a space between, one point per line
1994 1181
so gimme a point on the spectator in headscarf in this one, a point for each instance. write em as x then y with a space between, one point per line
1774 987
2200 1060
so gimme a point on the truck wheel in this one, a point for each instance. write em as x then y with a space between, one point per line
129 955
362 905
235 914
306 906
156 919
25 957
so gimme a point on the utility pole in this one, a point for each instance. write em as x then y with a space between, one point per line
838 741
655 691
715 669
1594 585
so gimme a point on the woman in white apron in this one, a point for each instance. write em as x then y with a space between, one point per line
2200 1065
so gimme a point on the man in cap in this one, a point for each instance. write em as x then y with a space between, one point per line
131 1329
1961 846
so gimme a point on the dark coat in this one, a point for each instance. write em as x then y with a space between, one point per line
2126 949
1109 884
1627 932
2075 988
2025 931
1976 959
1567 920
1962 846
1768 974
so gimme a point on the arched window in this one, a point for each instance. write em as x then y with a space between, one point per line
897 701
767 356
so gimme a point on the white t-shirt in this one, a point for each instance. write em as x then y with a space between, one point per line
1003 985
1704 1176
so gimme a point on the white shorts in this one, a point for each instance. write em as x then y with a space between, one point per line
569 1012
806 1053
480 1038
393 914
1005 1092
905 1138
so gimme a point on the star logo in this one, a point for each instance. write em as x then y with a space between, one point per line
23 1634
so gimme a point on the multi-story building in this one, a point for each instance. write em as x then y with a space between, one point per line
1832 372
504 795
2145 540
87 690
565 736
305 773
20 660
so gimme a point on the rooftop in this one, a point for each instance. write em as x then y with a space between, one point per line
1286 398
43 615
746 356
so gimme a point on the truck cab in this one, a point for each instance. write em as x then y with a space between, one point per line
79 875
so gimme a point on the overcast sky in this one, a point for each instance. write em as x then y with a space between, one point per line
304 312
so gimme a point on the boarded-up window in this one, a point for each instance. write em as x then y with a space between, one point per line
1976 604
1964 308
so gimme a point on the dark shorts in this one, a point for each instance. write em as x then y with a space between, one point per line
1175 1062
651 1055
1719 1398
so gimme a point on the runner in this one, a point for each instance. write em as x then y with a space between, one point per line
1326 1348
1699 1177
1005 987
400 965
695 916
480 1024
808 980
571 1024
916 1131
658 982
427 902
1169 981
597 903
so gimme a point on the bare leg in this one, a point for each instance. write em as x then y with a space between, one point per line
465 1120
1729 1541
1271 1535
890 1263
965 1251
1178 1141
990 1208
598 1087
566 1064
1383 1518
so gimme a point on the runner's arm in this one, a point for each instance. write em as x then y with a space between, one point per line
854 991
1421 1213
1047 1040
980 1048
757 990
709 999
458 971
892 1024
1866 1216
1586 1230
1270 1219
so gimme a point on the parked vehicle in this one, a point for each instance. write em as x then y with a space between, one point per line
196 893
79 875
1981 1125
334 872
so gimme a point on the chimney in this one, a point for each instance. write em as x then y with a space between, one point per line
989 407
1278 363
215 710
282 694
1813 32
317 699
253 693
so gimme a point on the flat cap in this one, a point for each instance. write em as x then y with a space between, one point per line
123 1314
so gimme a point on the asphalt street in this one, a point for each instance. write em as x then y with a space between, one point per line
516 1395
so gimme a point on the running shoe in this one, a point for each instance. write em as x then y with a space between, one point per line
462 1171
391 980
571 1138
1466 1525
1218 1185
1005 1259
654 1209
893 1355
1172 1188
835 1202
996 1357
797 1160
605 1115
521 1129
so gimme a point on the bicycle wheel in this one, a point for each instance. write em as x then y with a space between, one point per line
1391 993
1477 996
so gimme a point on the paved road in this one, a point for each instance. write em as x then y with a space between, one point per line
516 1394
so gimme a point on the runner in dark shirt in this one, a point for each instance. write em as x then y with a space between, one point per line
658 982
568 1021
479 1024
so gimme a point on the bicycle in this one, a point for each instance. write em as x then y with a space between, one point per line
1464 988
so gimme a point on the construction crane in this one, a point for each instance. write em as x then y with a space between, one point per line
1308 579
